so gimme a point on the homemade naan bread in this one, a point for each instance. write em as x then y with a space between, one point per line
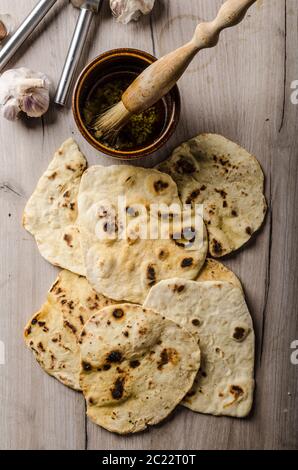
51 212
213 270
136 367
228 180
123 265
52 334
215 313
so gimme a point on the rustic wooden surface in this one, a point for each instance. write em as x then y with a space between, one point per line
240 89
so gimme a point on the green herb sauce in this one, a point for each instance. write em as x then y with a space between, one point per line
142 129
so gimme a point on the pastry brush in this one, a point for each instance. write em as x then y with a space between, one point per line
160 77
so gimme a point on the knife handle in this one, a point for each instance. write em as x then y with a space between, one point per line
24 31
73 56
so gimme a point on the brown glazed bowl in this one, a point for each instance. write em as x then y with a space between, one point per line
114 62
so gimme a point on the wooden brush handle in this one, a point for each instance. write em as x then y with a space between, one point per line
158 79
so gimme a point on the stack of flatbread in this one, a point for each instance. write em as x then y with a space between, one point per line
138 323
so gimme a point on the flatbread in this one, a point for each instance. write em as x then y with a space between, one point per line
217 315
51 211
136 367
53 332
125 269
213 270
229 181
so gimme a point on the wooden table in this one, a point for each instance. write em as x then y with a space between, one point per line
242 90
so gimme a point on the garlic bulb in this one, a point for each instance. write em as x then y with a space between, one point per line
7 26
128 10
24 90
78 3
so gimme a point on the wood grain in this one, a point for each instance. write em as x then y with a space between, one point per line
240 89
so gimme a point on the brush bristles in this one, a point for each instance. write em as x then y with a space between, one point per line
109 123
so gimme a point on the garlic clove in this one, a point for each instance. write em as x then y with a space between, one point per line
36 103
78 3
11 109
29 83
7 26
128 10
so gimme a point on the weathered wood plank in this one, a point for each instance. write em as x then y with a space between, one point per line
278 396
36 411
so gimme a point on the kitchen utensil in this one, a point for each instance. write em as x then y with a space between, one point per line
24 31
161 76
106 67
88 9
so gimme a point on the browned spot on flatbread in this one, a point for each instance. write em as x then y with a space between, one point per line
163 255
178 288
193 196
160 186
70 168
167 355
68 239
186 262
134 364
239 333
217 247
28 331
118 389
185 167
222 193
70 326
114 357
151 275
236 391
86 366
41 347
118 313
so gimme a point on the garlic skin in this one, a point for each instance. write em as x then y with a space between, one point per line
128 10
7 26
78 3
11 109
22 90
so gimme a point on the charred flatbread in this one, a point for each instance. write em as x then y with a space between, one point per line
124 265
216 314
229 182
53 332
51 212
136 367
